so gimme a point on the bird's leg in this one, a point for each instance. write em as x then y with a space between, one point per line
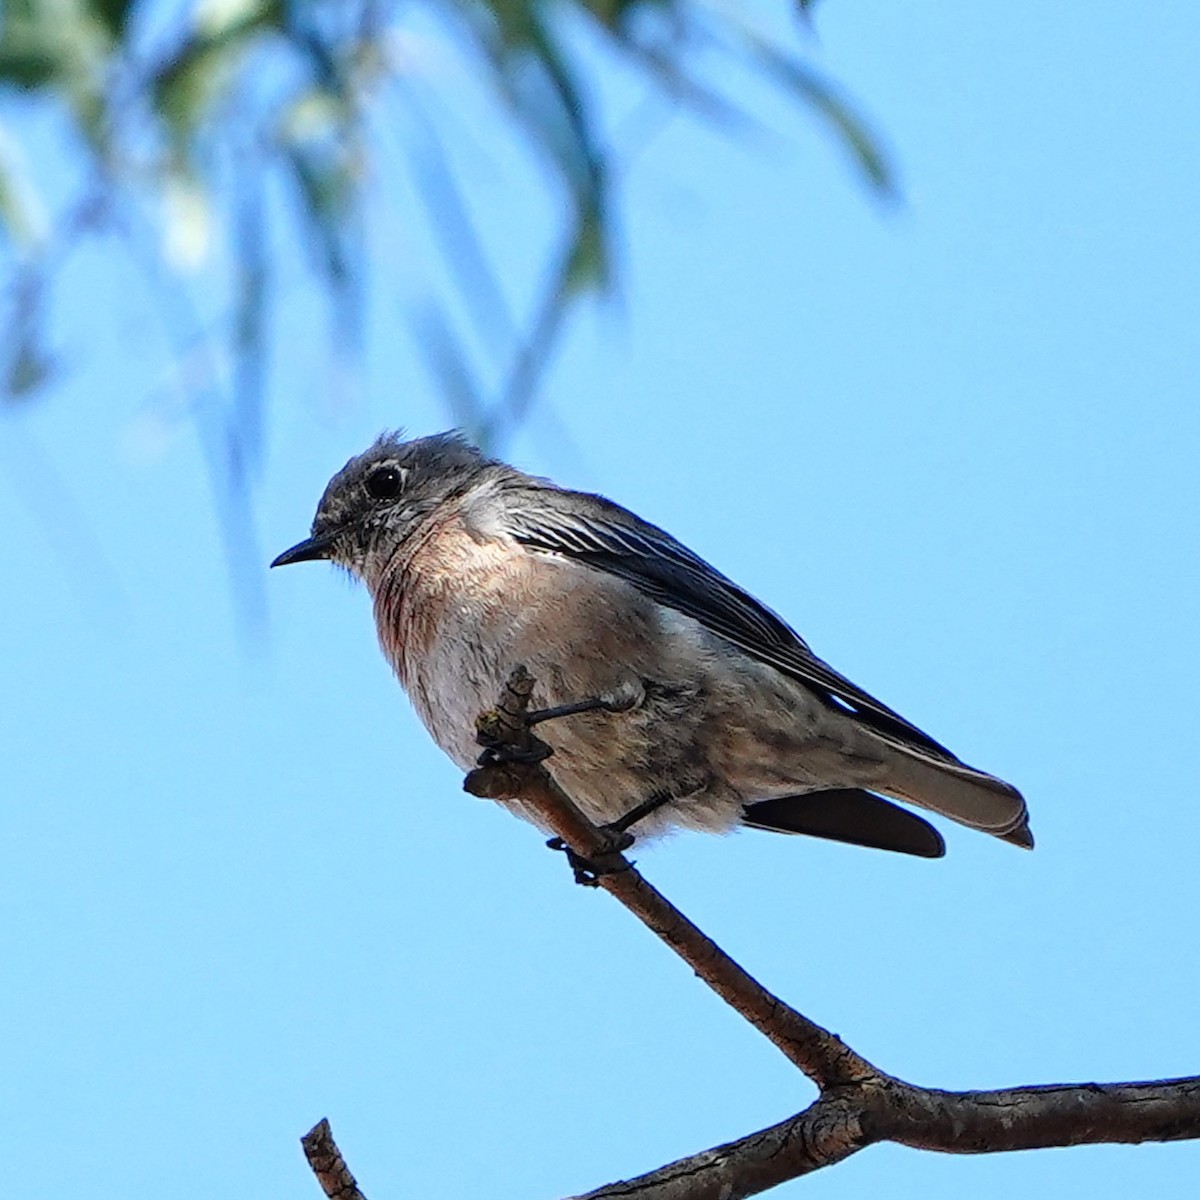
497 729
620 827
569 710
615 702
617 840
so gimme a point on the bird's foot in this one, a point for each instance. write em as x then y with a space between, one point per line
617 839
503 732
503 754
607 860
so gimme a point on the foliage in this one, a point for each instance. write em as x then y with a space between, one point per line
174 111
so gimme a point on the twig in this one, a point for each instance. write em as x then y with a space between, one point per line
328 1165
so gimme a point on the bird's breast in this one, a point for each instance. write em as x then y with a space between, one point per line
458 612
442 620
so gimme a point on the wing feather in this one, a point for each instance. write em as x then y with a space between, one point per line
603 535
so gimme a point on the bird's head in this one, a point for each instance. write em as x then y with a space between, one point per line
379 497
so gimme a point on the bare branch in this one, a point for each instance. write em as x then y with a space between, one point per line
845 1120
826 1132
859 1105
850 1117
821 1055
328 1165
1030 1118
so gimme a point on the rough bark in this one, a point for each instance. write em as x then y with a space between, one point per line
328 1165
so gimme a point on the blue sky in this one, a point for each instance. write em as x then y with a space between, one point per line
954 443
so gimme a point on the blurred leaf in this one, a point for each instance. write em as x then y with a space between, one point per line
27 362
533 354
615 14
190 116
60 45
185 86
588 262
835 109
325 189
448 364
538 85
20 214
27 66
187 83
112 14
318 143
315 115
249 338
29 367
451 222
30 52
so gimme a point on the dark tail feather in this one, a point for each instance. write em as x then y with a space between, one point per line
849 815
1021 836
970 797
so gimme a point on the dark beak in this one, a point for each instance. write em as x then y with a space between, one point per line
311 548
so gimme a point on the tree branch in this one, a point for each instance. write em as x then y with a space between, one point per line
826 1132
821 1055
845 1120
328 1165
1034 1117
859 1105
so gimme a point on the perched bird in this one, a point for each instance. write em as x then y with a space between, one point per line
691 704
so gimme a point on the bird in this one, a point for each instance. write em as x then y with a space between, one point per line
682 702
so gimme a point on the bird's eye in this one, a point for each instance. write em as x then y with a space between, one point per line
384 483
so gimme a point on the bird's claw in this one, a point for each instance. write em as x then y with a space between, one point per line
588 870
506 740
503 755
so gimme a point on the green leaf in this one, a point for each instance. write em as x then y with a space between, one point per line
186 85
324 189
112 14
20 214
234 66
249 334
587 267
836 110
28 364
60 45
29 368
27 67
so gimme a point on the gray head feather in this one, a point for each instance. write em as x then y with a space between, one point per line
389 489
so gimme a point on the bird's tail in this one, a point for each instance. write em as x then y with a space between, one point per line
848 815
970 797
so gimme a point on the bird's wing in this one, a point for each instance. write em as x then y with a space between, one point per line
603 535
